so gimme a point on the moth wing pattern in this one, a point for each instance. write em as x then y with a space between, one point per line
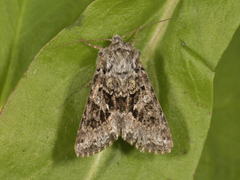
122 102
148 127
96 132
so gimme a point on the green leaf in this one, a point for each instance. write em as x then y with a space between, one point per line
220 158
26 26
39 122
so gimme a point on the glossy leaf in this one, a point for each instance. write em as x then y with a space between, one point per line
220 158
39 122
26 26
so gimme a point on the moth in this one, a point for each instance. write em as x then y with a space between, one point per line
122 102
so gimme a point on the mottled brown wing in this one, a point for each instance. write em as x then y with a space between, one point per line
145 124
96 132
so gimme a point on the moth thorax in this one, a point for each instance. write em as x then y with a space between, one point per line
123 82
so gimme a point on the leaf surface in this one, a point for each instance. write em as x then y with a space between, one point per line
39 122
26 26
220 158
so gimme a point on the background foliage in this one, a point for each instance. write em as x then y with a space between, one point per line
38 124
220 158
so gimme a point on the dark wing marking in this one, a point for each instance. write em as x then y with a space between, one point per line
96 131
145 124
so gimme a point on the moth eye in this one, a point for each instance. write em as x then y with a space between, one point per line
100 53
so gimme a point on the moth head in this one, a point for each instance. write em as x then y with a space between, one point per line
116 39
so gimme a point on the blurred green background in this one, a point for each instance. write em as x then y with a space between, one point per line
220 157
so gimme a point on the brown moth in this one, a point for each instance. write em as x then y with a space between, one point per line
122 102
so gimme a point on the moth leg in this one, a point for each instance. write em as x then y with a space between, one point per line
87 85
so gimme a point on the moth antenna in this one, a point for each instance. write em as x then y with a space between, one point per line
96 47
85 41
98 40
67 44
135 36
137 30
